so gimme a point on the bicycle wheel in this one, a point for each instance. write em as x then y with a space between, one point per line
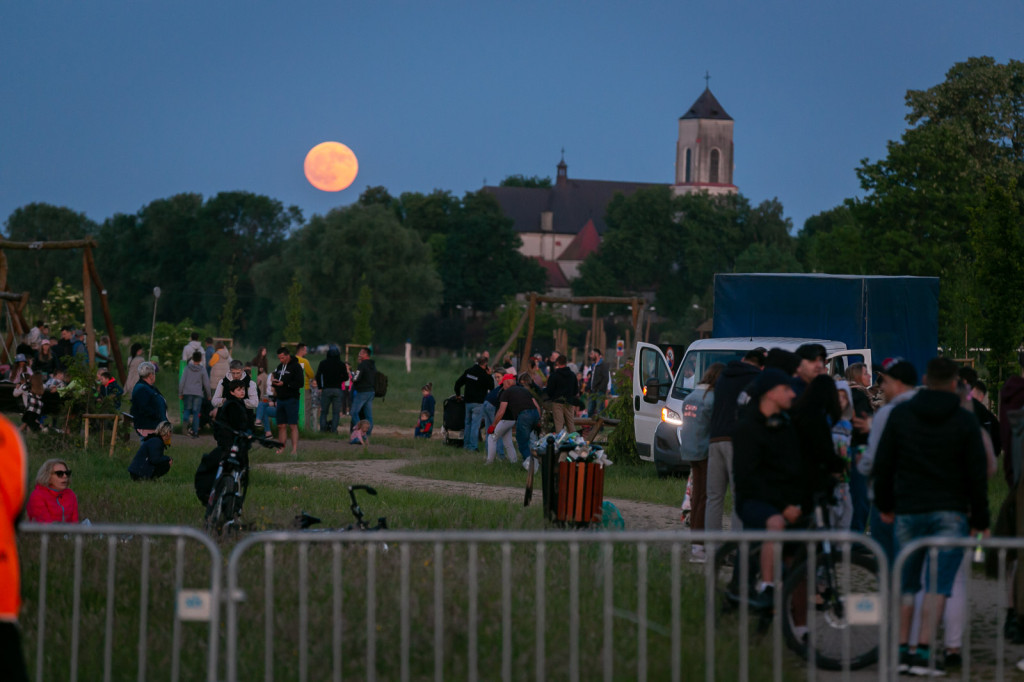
829 620
222 508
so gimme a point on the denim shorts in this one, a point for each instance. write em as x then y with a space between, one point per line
288 411
755 514
942 524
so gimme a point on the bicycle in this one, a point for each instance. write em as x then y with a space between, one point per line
829 614
231 481
305 520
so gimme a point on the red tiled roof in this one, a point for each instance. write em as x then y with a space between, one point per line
556 279
583 244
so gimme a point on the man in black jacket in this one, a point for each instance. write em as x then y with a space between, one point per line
287 381
477 383
736 376
597 383
330 375
563 389
767 464
363 390
930 478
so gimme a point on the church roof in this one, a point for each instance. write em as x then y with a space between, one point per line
707 107
583 244
571 202
555 277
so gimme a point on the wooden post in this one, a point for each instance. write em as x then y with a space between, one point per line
90 340
532 319
108 321
512 339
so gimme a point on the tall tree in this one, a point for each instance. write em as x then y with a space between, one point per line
923 196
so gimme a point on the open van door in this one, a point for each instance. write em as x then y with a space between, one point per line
838 362
652 380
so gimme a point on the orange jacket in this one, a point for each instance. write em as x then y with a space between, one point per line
13 484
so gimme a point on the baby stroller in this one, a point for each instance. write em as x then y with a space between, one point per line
453 421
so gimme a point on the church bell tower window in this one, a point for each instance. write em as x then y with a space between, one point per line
714 165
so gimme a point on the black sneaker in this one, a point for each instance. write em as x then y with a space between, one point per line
763 600
904 660
952 659
922 665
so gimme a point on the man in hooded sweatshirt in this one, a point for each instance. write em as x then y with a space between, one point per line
736 376
330 375
931 479
193 387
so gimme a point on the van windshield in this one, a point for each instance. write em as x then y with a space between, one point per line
696 363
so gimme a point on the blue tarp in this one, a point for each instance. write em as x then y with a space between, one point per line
893 316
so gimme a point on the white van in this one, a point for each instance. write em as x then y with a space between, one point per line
658 395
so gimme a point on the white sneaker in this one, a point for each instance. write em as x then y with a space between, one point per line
697 555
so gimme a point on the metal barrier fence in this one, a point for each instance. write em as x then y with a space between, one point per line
100 585
931 547
565 605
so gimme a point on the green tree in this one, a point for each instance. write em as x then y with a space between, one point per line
293 314
832 242
998 235
534 181
923 197
330 256
229 313
63 305
363 332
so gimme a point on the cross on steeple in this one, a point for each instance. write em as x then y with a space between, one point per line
707 81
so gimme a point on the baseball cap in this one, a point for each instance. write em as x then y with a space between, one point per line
768 379
899 369
508 377
20 357
811 351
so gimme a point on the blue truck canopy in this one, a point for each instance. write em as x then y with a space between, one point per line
893 316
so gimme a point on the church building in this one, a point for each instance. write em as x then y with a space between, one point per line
561 225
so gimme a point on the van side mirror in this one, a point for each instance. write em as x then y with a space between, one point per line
652 391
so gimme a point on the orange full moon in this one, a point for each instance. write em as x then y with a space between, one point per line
331 166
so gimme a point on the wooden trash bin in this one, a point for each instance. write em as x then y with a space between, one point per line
580 493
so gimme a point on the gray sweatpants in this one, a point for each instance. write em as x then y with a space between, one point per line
719 481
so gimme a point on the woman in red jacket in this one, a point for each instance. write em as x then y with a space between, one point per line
52 500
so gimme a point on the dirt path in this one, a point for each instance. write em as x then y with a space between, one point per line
382 472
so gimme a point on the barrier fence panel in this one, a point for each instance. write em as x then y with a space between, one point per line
118 602
400 605
983 593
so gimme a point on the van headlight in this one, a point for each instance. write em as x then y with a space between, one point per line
671 417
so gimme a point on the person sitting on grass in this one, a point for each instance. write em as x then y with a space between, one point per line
31 393
150 462
426 426
361 433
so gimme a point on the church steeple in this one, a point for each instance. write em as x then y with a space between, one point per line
563 171
704 150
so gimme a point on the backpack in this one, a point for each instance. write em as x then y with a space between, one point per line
380 385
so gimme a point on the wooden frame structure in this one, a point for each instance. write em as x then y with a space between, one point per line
529 317
15 303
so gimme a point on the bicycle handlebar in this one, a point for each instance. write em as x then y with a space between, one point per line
250 436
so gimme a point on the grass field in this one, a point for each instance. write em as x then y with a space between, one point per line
106 494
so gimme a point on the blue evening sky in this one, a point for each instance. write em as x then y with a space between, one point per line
106 106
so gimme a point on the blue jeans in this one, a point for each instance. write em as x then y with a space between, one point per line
943 524
191 408
489 412
330 397
882 533
264 413
362 403
595 404
859 497
474 416
525 422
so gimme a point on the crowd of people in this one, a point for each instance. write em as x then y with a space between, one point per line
889 457
498 400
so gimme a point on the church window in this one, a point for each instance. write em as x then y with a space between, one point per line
688 159
714 165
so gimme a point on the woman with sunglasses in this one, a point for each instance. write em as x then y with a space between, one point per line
52 500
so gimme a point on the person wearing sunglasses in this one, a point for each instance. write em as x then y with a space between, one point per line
52 500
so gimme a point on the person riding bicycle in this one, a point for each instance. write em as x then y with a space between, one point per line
768 469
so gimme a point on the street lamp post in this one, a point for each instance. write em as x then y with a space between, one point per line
152 328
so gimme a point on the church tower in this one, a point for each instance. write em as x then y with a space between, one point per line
704 161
